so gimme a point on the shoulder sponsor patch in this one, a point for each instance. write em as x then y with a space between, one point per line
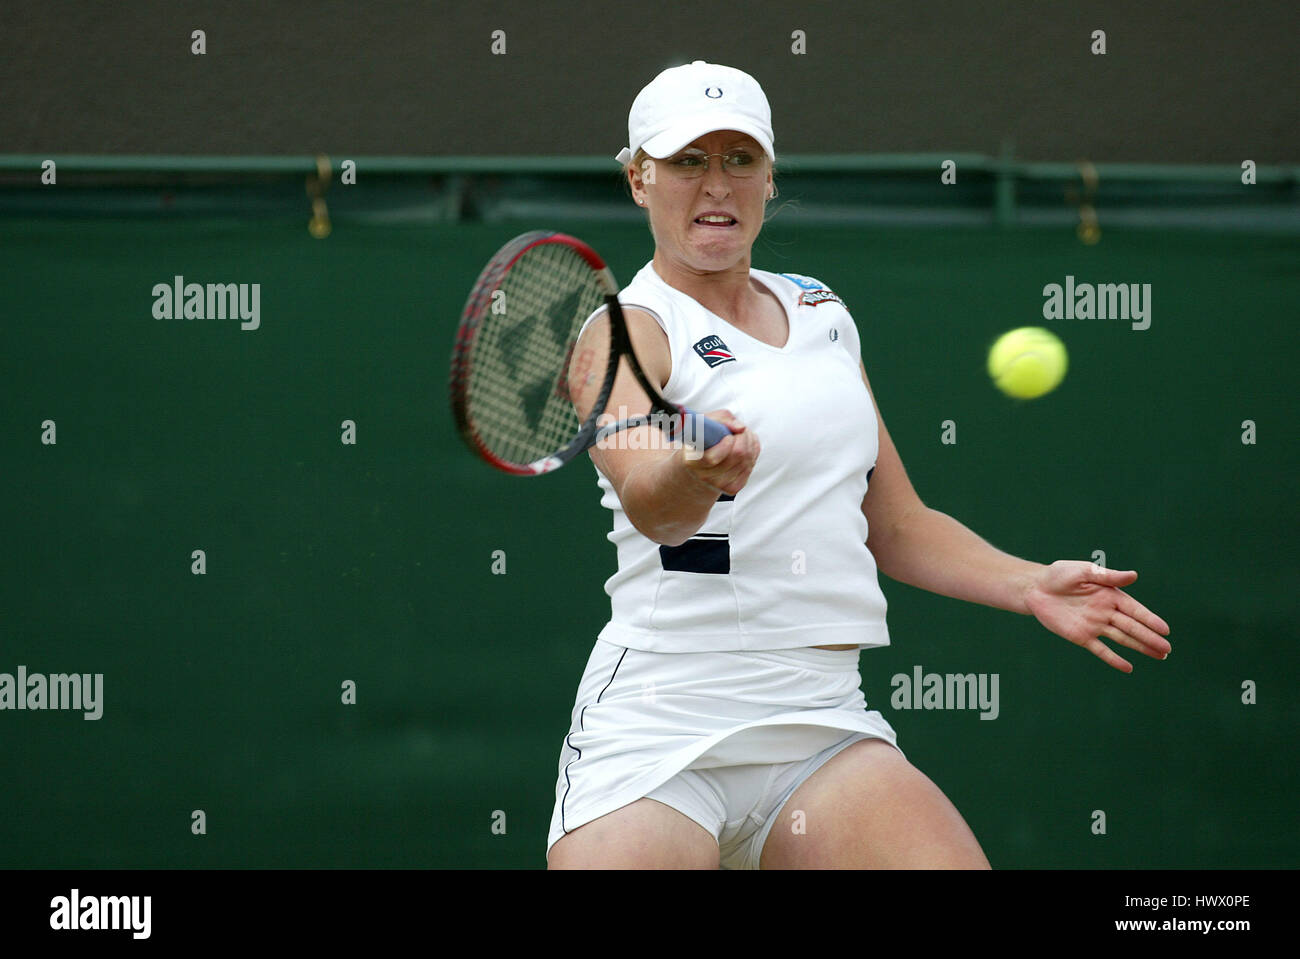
807 282
816 297
713 351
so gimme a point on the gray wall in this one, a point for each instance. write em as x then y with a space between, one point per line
1181 81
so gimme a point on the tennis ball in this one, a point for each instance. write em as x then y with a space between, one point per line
1027 362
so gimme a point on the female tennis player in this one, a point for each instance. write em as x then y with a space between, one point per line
719 721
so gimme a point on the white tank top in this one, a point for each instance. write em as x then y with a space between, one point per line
785 563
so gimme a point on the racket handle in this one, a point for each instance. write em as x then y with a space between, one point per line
702 432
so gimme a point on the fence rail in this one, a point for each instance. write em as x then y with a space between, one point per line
895 188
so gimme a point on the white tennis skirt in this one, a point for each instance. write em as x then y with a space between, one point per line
640 718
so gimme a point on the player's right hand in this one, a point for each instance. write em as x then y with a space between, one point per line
726 466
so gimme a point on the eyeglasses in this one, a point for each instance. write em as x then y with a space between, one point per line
695 163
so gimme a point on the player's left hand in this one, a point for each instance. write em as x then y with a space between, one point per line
1083 602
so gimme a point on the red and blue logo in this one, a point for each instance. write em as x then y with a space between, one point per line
713 351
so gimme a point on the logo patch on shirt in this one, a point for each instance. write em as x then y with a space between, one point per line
713 351
816 297
807 282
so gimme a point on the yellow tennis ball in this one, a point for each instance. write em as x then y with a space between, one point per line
1027 362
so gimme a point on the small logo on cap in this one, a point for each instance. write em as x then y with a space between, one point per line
713 92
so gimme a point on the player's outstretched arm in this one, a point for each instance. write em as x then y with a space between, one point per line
1083 602
923 547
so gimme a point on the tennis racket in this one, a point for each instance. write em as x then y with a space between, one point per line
522 360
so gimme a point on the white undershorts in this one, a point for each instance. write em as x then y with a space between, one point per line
724 737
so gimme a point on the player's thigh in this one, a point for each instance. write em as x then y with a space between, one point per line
645 834
869 808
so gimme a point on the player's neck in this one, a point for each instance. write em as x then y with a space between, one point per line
728 293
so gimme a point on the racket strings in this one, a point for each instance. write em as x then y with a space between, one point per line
519 397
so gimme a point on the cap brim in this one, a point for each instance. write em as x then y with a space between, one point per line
684 132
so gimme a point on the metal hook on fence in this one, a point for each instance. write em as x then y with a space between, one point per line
317 183
1088 229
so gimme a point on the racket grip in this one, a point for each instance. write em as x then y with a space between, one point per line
702 432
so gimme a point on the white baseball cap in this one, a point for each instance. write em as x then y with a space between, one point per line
684 103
